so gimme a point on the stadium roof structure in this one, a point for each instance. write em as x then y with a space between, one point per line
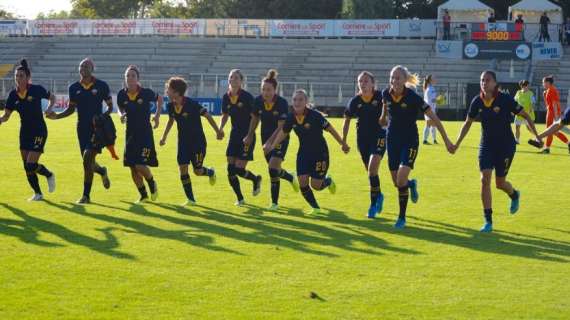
465 10
533 9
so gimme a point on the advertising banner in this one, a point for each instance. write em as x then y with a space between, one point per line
367 28
302 28
502 50
547 51
449 49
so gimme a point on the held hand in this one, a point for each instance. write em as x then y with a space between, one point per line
267 148
247 140
123 118
345 148
451 148
162 142
220 135
51 115
383 121
156 120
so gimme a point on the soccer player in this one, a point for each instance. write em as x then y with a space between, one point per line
402 105
552 101
370 136
526 99
26 99
497 148
430 98
191 139
134 104
555 127
313 154
87 96
271 109
238 104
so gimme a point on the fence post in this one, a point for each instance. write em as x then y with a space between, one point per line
201 90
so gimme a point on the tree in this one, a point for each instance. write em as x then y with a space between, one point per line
107 9
6 15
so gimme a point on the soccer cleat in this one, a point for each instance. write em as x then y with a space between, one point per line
36 197
414 195
212 178
380 203
545 151
487 227
83 200
239 203
154 195
426 142
372 210
189 203
273 207
332 186
435 141
535 143
515 203
400 223
313 211
51 183
569 148
257 186
295 183
105 178
142 200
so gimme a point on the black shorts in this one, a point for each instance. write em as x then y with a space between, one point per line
368 147
33 141
86 136
402 152
315 165
194 154
140 151
279 152
238 150
497 158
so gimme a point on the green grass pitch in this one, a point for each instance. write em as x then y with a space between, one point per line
116 260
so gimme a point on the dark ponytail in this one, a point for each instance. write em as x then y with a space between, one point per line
271 78
23 66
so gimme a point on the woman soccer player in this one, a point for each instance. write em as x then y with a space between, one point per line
370 136
191 139
430 98
552 101
87 96
271 109
134 104
26 99
526 99
401 105
313 154
238 104
497 148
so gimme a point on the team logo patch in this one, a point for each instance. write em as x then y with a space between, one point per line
374 102
359 106
78 92
30 98
94 91
140 101
240 104
185 114
275 113
404 105
496 109
126 102
17 102
307 125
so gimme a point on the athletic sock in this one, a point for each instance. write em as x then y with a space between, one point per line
187 185
403 194
374 189
309 196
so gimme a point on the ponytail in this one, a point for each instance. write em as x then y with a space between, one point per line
271 78
412 79
23 66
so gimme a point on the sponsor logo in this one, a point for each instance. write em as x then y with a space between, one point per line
471 50
523 51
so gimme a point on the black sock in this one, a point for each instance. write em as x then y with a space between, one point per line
488 215
403 194
514 195
151 185
42 170
286 175
246 174
142 192
98 169
374 189
187 185
275 185
309 196
33 181
87 188
209 172
326 182
234 182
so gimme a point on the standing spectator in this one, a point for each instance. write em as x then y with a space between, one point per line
519 25
446 25
567 30
492 18
544 21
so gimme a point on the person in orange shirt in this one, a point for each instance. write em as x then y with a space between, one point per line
552 100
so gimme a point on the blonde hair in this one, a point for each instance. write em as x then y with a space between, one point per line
238 72
271 78
368 74
412 79
427 81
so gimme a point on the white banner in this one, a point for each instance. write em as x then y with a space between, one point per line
188 27
302 28
547 51
367 28
12 27
449 49
56 27
116 27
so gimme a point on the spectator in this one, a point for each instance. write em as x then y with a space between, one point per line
492 18
519 25
446 25
544 21
567 30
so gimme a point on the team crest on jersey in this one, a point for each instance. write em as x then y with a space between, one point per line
404 105
140 101
307 126
275 113
78 92
240 104
126 102
497 109
374 102
30 98
94 91
359 106
185 114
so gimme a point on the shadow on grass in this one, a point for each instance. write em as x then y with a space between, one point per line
30 227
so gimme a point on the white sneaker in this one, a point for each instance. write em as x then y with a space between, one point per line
239 203
36 197
189 203
51 183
